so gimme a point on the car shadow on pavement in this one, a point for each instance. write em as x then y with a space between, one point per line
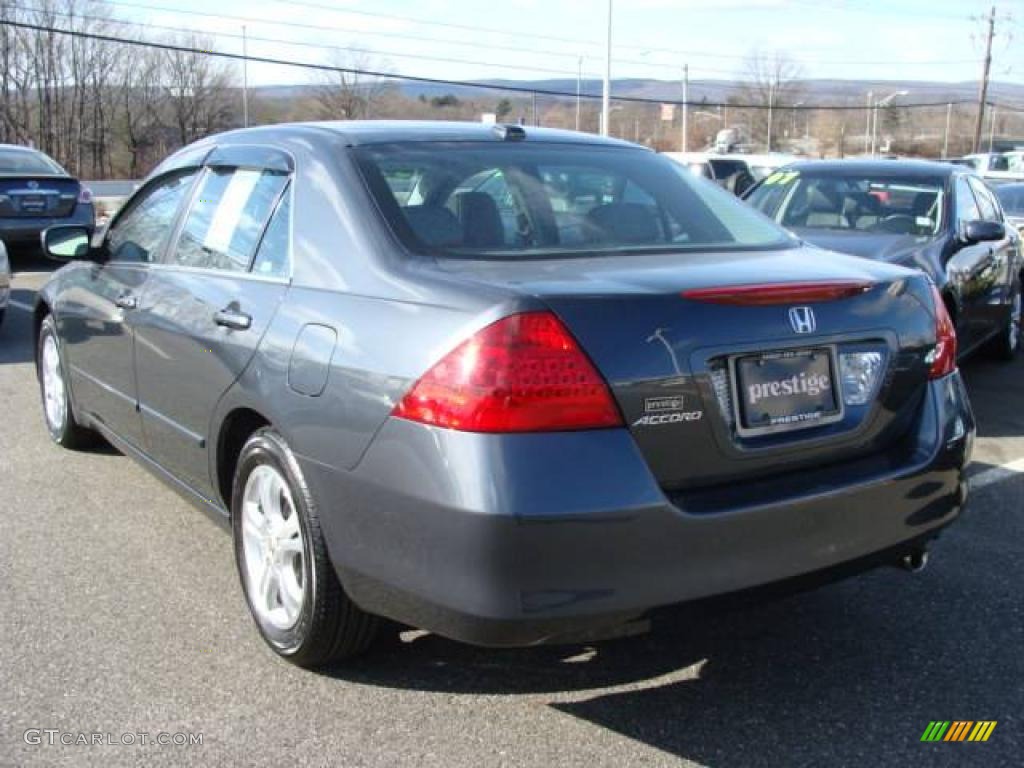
999 409
849 674
16 330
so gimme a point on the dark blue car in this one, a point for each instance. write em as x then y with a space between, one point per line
508 385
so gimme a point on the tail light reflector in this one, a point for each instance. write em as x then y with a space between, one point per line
943 355
763 294
524 373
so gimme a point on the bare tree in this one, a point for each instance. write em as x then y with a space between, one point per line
198 88
345 94
772 83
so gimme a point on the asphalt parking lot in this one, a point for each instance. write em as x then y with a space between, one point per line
122 614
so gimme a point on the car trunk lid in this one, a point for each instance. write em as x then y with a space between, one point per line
37 196
683 359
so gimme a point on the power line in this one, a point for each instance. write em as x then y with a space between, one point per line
716 84
436 80
490 46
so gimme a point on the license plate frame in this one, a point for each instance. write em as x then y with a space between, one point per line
794 420
34 203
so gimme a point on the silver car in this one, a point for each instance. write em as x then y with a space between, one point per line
5 280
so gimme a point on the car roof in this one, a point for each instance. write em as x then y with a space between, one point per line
363 132
904 168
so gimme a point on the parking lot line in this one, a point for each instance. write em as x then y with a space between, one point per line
20 305
997 474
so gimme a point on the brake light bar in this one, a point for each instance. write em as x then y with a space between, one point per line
765 294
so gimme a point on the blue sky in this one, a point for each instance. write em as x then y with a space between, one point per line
536 39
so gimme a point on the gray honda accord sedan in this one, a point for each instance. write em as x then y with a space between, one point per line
506 384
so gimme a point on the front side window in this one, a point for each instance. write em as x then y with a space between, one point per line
876 204
1012 198
227 217
141 233
966 206
536 200
986 203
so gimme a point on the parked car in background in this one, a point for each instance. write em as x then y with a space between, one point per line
36 193
1011 197
506 429
996 167
5 280
734 172
940 218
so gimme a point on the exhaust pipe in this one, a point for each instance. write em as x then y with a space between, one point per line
915 561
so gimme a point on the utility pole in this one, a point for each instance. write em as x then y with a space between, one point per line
945 139
579 87
992 128
686 104
536 120
245 80
986 66
607 86
771 98
867 125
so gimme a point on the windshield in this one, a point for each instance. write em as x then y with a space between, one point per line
874 204
530 200
1012 198
20 161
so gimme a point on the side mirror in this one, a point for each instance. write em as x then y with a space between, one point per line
66 243
983 231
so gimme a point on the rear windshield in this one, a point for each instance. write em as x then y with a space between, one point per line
876 204
525 200
20 161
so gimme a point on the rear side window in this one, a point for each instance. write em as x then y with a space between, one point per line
141 233
273 257
536 200
227 217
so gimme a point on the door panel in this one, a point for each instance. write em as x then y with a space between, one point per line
98 309
185 360
203 314
97 336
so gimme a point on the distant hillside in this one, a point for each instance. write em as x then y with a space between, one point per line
814 91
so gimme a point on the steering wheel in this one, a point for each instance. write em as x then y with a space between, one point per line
897 223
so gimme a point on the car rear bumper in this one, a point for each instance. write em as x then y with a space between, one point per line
26 230
515 540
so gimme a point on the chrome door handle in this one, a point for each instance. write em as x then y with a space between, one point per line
233 319
126 301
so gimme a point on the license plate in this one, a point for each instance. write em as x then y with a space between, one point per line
782 391
32 203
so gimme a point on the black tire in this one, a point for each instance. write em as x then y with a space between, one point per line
1005 345
66 431
330 627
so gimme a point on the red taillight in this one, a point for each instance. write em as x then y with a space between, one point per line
84 195
763 294
524 373
943 356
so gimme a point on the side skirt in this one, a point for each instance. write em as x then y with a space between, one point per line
208 507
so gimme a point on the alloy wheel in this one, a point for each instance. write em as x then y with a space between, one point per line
273 549
54 392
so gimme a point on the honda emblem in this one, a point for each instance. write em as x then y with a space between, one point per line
802 319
